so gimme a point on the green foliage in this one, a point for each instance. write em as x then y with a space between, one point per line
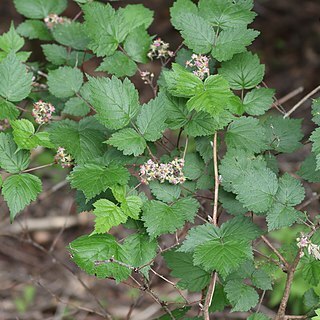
34 29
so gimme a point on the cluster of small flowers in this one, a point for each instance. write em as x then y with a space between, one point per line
42 112
147 76
63 158
159 49
53 19
313 249
4 124
171 172
201 63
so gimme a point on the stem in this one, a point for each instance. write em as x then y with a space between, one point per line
216 181
290 95
296 106
209 296
185 148
36 168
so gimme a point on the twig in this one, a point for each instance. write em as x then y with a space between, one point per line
209 296
216 181
37 168
86 102
290 95
296 106
185 148
276 252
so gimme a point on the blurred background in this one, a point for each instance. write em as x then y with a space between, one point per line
38 280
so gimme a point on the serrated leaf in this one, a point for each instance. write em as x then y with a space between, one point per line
118 64
261 279
226 14
76 107
231 204
88 249
284 135
11 41
315 138
34 29
15 81
151 119
178 11
164 191
308 169
131 206
311 270
316 111
128 141
241 296
246 133
193 278
116 102
136 15
159 218
39 9
232 41
258 101
244 71
8 110
93 179
193 167
83 139
19 191
108 215
65 82
280 216
219 299
256 189
71 35
203 146
12 160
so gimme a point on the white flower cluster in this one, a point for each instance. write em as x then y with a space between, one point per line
171 172
53 19
159 49
42 112
147 76
201 63
313 249
64 159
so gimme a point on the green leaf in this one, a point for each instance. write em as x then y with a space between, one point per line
244 71
8 110
164 191
219 299
25 137
316 111
256 189
76 107
34 29
71 35
137 44
159 218
65 82
136 15
118 64
116 102
214 98
311 271
226 14
284 135
198 34
88 249
308 169
241 296
108 215
315 138
15 81
93 179
232 41
246 133
258 316
193 278
258 101
83 139
39 9
231 204
261 279
19 191
128 141
12 160
151 119
131 206
178 11
193 167
11 41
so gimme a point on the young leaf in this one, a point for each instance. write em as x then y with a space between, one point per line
12 160
116 102
241 296
39 9
65 82
244 71
11 41
15 81
107 215
8 110
159 218
34 29
193 278
93 179
19 190
131 206
128 141
246 133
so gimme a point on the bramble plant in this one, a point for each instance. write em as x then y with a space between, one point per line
197 163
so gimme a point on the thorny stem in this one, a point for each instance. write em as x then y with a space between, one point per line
297 105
